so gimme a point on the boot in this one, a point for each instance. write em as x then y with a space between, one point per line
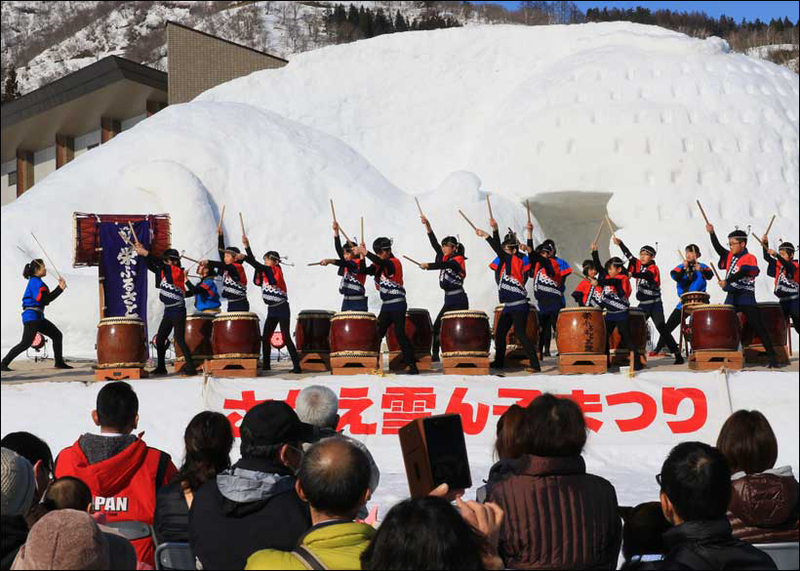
5 368
61 364
535 366
435 351
637 362
412 369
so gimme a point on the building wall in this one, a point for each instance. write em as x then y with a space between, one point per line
128 123
198 62
83 142
8 193
44 162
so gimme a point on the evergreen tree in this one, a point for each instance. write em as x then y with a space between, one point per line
400 24
11 87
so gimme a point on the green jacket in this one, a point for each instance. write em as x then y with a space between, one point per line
336 545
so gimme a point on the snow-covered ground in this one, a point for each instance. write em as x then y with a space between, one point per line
634 120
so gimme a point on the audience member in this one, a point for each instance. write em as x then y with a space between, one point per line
254 504
37 452
64 539
764 499
123 473
18 489
642 531
334 480
208 440
695 492
546 493
508 445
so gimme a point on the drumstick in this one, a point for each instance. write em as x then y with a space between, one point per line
703 212
632 368
241 221
362 229
314 264
610 226
133 232
46 256
765 244
468 220
221 217
597 236
489 204
770 224
716 274
333 211
418 206
680 255
412 261
528 208
346 237
185 257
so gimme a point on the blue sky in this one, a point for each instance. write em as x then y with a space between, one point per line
738 10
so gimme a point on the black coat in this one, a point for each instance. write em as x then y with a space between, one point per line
250 507
709 544
14 535
171 520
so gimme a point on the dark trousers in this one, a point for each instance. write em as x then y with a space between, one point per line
519 320
791 310
241 305
624 327
397 318
753 316
269 328
673 321
656 313
437 326
176 321
547 322
29 331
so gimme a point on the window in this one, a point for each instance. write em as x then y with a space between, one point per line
12 178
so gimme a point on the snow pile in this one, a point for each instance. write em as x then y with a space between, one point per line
650 118
632 120
278 173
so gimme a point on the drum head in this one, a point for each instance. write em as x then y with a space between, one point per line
277 340
38 341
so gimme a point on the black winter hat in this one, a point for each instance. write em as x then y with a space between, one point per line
450 241
233 250
738 234
382 244
511 239
787 246
552 245
648 250
273 423
273 255
171 254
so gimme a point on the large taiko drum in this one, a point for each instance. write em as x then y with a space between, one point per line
86 231
774 322
715 328
121 343
236 335
639 333
691 299
419 331
465 334
581 331
312 331
354 334
198 337
531 328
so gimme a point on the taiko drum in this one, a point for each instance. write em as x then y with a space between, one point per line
198 337
312 331
121 343
465 334
419 330
236 335
354 334
715 328
531 328
774 323
581 331
638 325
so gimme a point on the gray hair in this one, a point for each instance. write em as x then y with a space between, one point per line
318 406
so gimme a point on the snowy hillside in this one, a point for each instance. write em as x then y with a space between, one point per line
635 120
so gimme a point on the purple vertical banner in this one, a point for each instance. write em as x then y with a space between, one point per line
125 273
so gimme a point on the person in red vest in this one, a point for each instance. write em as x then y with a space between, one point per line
782 266
123 473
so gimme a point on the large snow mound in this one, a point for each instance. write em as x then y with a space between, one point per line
188 161
644 119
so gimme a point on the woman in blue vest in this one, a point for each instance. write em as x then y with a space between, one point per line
36 297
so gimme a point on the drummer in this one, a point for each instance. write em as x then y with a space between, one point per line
690 276
510 273
234 279
566 271
616 286
171 281
741 270
585 294
206 294
648 291
269 276
353 270
547 286
388 272
450 262
787 289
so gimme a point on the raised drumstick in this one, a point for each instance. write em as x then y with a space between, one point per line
418 206
46 256
241 221
489 204
362 229
703 212
185 257
468 220
314 264
680 255
528 208
765 244
600 229
133 232
770 224
716 273
412 261
610 226
221 217
333 211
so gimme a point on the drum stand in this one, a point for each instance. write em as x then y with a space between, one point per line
396 362
465 364
120 373
757 354
233 367
356 363
711 360
573 364
315 361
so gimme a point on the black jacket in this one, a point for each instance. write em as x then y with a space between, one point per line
709 544
14 534
249 507
171 519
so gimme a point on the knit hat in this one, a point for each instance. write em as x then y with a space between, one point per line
232 250
788 246
273 423
547 246
738 234
273 255
511 239
18 483
450 241
381 244
64 539
552 244
648 250
171 254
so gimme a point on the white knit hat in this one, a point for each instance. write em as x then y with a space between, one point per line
17 482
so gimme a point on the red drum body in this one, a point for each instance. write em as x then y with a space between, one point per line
581 331
312 331
354 334
121 343
532 329
638 325
774 322
465 334
690 300
715 328
86 229
419 330
198 337
236 335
